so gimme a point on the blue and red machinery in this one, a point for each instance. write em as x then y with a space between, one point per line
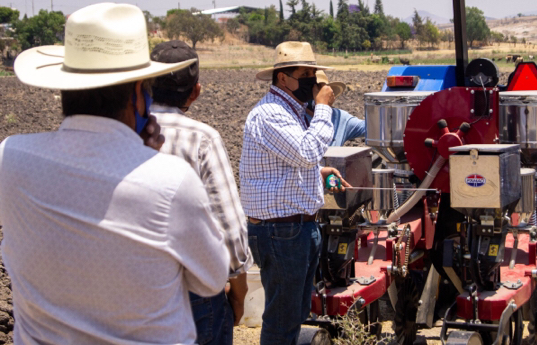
446 227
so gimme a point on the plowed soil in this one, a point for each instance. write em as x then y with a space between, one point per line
227 98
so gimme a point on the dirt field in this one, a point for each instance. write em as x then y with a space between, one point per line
227 97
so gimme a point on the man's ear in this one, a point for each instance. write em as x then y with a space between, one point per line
282 78
196 91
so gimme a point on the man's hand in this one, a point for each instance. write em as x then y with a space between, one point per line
323 94
151 134
327 171
236 294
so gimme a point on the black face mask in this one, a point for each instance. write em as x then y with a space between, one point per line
304 93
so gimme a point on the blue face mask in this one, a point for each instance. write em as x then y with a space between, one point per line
141 121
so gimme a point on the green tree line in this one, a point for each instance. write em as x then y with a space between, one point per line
340 29
356 29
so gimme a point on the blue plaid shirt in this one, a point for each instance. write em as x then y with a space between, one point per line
279 168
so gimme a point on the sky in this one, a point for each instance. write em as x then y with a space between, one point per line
396 8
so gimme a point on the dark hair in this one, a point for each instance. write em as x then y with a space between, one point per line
106 101
170 97
286 70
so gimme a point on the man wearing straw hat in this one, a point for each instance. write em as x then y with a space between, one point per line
103 236
346 126
282 187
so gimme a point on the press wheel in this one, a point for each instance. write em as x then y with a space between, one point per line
369 317
406 310
532 338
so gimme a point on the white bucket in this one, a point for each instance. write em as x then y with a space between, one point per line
254 303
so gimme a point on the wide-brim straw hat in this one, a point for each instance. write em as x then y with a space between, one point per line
291 54
105 44
337 86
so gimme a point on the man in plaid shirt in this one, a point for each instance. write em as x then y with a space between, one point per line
202 147
282 187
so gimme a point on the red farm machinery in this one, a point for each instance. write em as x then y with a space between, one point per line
444 227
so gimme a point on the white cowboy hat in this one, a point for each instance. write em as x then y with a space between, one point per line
291 54
105 44
337 86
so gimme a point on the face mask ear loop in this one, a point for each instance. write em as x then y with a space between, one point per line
141 121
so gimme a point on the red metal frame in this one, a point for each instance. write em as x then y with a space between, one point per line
492 303
340 299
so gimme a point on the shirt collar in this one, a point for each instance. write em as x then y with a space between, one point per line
162 108
298 106
99 124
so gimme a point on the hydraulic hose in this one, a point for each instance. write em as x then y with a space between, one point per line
416 196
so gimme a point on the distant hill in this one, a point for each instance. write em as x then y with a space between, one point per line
424 14
528 13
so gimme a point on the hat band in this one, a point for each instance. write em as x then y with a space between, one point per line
293 63
104 70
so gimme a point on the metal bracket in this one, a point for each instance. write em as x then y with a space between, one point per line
504 321
512 285
366 281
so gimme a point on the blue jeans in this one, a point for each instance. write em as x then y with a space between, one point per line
287 255
214 319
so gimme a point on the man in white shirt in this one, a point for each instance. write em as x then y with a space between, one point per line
203 148
103 236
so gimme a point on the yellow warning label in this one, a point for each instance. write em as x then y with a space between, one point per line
493 250
342 248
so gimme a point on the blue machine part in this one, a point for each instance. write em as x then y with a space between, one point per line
432 78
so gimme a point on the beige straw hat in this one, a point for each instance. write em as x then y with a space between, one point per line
291 54
105 44
337 86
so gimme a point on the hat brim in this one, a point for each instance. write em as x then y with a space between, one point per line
266 75
338 88
43 67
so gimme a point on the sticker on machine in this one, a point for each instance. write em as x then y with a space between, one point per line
475 180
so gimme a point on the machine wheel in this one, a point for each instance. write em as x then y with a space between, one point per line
464 338
512 333
516 328
314 336
532 338
369 317
406 310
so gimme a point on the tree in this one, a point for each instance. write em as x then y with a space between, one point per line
151 26
292 4
514 40
417 23
378 7
281 11
404 32
331 9
476 26
233 25
7 15
497 37
196 28
364 10
330 33
431 32
342 10
46 28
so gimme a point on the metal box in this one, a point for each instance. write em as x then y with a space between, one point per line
354 163
484 177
